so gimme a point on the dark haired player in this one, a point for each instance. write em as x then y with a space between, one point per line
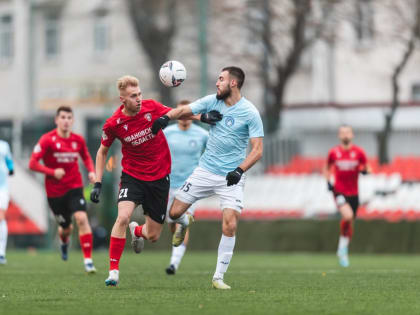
146 164
344 163
223 164
60 149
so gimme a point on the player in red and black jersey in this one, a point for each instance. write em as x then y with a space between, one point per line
60 150
146 164
344 163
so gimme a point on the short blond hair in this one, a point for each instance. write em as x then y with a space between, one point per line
126 81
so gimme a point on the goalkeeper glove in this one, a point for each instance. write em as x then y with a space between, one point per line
234 176
96 191
211 117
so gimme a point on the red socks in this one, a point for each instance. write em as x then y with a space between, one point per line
116 248
138 231
64 239
86 243
346 228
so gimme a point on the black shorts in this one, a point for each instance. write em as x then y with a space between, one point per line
152 195
63 207
353 201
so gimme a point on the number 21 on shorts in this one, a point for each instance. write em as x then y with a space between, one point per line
123 193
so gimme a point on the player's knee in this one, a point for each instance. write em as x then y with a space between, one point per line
229 228
123 220
81 220
153 237
173 214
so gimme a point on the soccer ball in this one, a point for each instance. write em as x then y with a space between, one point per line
172 73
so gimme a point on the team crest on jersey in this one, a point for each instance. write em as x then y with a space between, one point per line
352 154
125 127
37 148
58 145
229 121
193 143
104 136
74 145
148 116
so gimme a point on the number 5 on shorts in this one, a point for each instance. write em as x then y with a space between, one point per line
123 193
186 187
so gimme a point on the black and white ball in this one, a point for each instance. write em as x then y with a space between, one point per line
172 73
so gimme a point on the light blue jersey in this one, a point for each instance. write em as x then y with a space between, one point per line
186 147
6 165
228 140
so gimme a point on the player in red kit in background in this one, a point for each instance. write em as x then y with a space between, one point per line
344 163
59 149
146 164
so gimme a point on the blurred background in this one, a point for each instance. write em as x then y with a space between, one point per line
311 66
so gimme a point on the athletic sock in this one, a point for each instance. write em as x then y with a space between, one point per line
116 248
346 232
224 255
64 239
183 220
177 254
86 243
3 237
138 231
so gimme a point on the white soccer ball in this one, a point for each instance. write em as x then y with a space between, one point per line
172 73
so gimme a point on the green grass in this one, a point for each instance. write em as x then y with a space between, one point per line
262 283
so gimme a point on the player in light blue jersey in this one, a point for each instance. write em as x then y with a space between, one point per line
6 169
222 166
186 143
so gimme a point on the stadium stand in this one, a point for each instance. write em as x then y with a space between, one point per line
298 190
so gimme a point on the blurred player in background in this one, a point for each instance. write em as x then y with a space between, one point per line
60 149
146 164
6 169
221 167
344 163
187 142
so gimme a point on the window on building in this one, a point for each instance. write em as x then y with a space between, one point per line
101 35
415 92
6 38
363 24
52 37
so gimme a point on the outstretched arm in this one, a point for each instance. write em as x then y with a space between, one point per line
100 165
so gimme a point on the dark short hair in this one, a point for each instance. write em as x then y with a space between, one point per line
63 108
183 102
236 72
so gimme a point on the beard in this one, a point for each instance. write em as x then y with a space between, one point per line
346 141
224 95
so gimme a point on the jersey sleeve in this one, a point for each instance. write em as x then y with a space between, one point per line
38 153
8 158
84 153
108 136
161 109
330 158
256 129
362 159
201 105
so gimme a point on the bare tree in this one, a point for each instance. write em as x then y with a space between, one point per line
288 29
155 26
407 13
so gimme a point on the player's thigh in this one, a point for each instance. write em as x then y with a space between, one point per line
353 201
171 197
125 210
76 204
2 214
62 214
131 189
199 185
156 199
344 207
231 197
4 201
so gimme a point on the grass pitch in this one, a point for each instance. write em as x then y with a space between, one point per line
262 283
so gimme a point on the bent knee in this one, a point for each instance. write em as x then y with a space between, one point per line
229 228
153 237
123 220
